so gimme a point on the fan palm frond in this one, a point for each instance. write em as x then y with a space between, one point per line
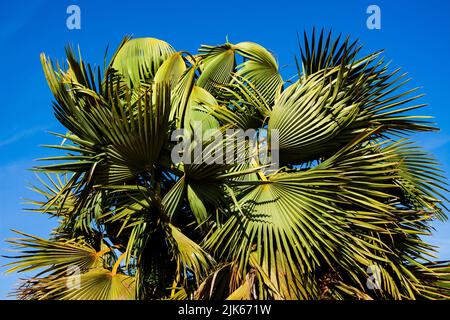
352 198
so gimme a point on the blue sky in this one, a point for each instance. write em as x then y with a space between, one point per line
415 35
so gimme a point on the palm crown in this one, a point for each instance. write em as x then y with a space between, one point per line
351 200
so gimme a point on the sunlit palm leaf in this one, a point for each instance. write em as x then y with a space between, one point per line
37 253
98 284
139 59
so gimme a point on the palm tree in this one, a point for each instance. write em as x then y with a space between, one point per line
343 217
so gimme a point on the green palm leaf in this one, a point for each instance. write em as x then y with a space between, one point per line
138 60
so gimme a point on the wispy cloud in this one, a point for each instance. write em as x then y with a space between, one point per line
12 24
20 135
435 142
443 245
